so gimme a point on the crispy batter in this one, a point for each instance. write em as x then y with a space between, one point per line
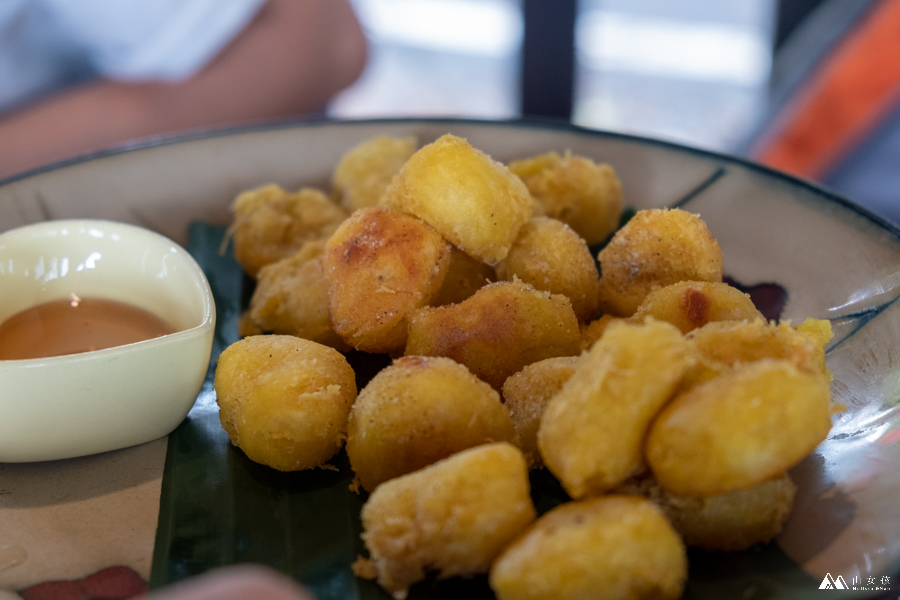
739 429
593 331
734 343
472 200
417 411
729 522
453 517
496 332
526 395
613 547
585 195
381 265
284 400
291 298
549 255
591 435
270 223
364 172
657 247
465 276
692 304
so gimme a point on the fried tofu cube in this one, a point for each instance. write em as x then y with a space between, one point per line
419 410
471 199
284 400
453 517
657 247
381 265
614 547
499 330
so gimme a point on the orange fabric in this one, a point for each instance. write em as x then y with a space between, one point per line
843 100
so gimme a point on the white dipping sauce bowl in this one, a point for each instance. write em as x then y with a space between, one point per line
91 402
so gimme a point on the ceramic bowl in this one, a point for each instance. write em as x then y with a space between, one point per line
90 402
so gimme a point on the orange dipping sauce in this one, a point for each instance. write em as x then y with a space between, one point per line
73 325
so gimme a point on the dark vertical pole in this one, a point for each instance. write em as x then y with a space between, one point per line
789 14
548 57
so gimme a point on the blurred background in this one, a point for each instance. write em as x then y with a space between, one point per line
692 71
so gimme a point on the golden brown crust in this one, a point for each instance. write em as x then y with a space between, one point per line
496 332
471 199
549 255
270 223
585 195
613 547
419 410
381 265
657 247
284 400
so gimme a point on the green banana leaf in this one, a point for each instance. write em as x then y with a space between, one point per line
218 508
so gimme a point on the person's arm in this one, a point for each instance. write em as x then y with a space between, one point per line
291 59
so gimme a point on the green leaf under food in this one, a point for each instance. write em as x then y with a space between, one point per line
218 508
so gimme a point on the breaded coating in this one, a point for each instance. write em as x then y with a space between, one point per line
270 223
381 265
453 517
691 304
593 331
526 395
465 276
291 298
419 410
284 400
657 247
499 330
591 435
729 522
471 199
549 255
574 189
739 429
734 343
613 547
364 172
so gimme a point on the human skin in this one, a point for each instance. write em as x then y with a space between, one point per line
291 59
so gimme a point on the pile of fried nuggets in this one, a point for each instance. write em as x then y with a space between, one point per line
658 396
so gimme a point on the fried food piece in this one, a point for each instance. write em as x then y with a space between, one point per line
381 265
496 332
593 331
692 304
365 171
291 298
471 199
585 195
549 255
284 400
453 517
613 547
465 276
417 411
739 429
270 223
591 435
526 395
729 522
657 247
733 343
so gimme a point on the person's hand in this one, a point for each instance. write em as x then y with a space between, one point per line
239 582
